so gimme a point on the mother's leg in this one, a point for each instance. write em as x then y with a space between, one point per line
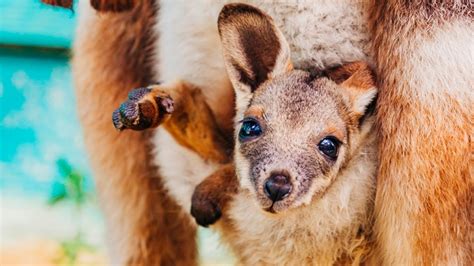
424 204
111 55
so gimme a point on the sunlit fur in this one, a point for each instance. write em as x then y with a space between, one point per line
424 204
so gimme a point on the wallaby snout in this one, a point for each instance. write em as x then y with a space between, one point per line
277 187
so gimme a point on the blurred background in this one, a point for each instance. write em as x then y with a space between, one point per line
49 213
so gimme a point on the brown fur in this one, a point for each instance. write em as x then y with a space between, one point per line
193 125
138 212
61 3
425 180
115 5
186 116
212 196
100 5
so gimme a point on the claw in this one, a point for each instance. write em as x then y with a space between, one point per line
130 111
117 120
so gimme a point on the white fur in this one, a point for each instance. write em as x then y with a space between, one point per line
364 100
183 168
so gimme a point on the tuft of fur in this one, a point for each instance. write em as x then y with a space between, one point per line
114 5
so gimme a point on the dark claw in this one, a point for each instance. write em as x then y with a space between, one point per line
137 94
129 112
117 119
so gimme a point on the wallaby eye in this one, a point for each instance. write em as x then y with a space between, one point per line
329 146
250 129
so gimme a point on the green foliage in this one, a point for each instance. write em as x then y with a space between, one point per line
71 250
70 187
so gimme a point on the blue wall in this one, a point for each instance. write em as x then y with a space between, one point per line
31 23
38 121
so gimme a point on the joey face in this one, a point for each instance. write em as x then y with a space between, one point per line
293 139
294 133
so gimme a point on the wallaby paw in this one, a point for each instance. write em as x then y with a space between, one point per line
145 108
205 209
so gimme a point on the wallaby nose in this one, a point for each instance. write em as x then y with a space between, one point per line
277 187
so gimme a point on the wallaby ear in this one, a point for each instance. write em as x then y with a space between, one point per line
254 48
358 80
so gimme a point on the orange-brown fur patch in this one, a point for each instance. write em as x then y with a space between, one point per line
255 111
114 5
346 74
111 55
193 125
425 179
218 189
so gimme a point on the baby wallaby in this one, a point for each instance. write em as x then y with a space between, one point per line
305 153
300 187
